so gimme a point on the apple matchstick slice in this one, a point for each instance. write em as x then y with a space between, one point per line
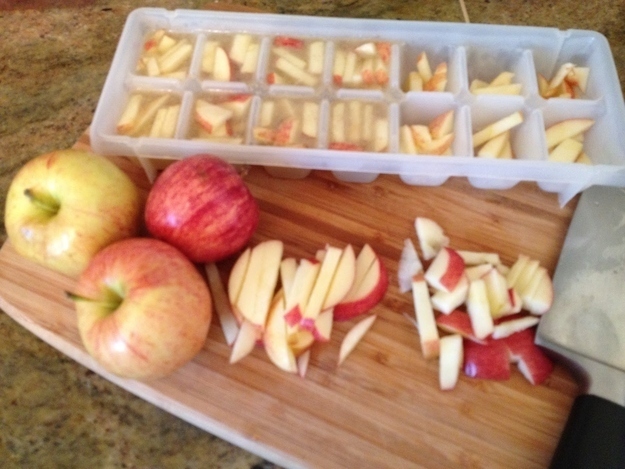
354 336
450 361
431 237
507 328
496 128
479 257
426 322
227 319
323 325
537 298
479 310
211 116
566 129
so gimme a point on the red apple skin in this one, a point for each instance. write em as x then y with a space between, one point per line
202 206
489 361
163 318
349 310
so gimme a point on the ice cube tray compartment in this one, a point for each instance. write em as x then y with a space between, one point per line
469 51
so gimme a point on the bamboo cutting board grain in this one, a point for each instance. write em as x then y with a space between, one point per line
382 407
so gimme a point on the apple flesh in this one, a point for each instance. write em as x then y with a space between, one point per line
65 206
136 318
202 206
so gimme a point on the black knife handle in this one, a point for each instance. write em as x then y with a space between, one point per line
593 437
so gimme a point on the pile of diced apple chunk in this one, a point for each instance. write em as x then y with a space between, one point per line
487 310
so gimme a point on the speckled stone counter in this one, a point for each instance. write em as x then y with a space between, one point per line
54 57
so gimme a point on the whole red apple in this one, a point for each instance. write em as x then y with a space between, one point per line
143 308
202 206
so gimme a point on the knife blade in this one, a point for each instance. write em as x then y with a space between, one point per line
586 327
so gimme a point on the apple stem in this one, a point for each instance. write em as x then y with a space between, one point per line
43 200
109 305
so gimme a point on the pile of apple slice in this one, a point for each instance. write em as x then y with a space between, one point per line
423 79
501 84
570 82
296 62
565 141
365 65
222 120
432 139
287 304
284 122
493 141
358 126
240 58
489 310
147 114
165 55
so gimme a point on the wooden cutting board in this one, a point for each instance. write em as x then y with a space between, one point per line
382 407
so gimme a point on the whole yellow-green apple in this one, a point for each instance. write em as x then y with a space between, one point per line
63 207
143 309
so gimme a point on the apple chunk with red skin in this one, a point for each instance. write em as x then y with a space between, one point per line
446 270
368 288
65 206
143 308
202 206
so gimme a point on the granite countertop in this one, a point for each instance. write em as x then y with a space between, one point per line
54 57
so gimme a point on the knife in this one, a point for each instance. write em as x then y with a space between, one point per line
586 327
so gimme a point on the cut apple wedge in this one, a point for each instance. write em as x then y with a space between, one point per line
299 292
409 266
321 287
354 336
227 320
368 289
488 361
450 361
458 322
447 301
275 337
445 271
531 361
247 338
323 325
426 322
211 116
342 279
442 125
431 237
302 363
259 282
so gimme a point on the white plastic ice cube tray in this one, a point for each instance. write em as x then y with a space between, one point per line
471 50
